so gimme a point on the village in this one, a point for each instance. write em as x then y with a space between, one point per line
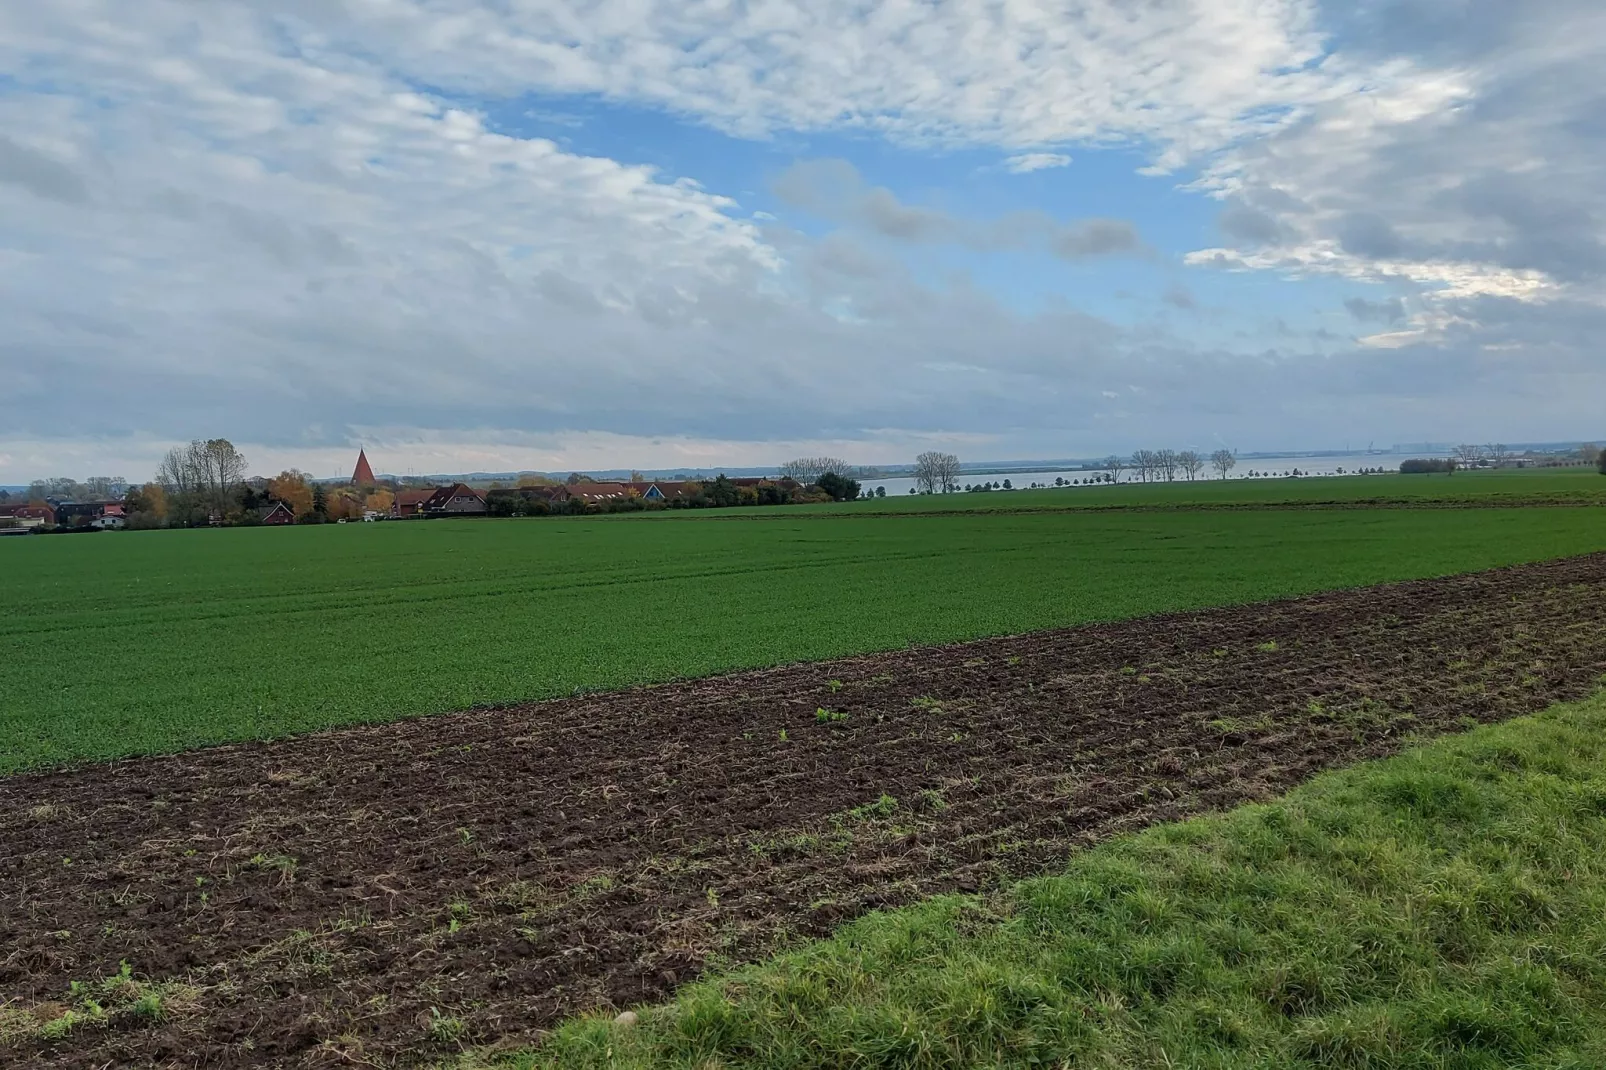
294 498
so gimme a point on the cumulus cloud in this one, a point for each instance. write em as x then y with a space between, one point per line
1471 171
834 190
1179 296
1188 75
289 223
1027 162
1390 311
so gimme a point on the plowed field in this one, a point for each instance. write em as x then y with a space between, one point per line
381 895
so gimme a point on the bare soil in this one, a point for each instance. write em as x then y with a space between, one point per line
384 895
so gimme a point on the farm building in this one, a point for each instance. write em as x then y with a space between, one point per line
40 515
590 493
662 491
276 514
459 499
408 503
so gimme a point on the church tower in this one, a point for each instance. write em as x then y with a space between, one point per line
364 475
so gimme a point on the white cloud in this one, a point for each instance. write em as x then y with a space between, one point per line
248 218
1468 177
1189 74
1027 162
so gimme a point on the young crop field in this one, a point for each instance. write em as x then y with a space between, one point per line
140 642
390 895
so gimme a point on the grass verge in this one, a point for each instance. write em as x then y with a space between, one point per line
1443 909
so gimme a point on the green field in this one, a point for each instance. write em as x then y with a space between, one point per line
1444 909
139 642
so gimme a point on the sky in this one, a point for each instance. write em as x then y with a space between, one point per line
493 235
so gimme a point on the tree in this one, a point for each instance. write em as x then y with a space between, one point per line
1191 463
381 500
1223 461
146 506
291 488
1116 466
1007 486
808 470
320 503
1600 461
721 491
1468 454
344 504
1591 453
208 471
576 478
840 488
637 477
1497 452
103 488
881 492
1166 461
936 472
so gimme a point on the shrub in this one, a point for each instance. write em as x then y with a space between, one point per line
1420 465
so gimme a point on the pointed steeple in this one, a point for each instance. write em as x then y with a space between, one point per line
364 475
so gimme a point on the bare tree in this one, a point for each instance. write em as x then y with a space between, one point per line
936 472
1468 454
1223 461
176 474
1497 452
1166 461
1191 463
210 470
1115 465
1142 464
810 469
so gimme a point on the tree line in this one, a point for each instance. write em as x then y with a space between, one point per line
1163 466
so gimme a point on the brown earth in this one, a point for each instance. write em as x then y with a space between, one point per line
383 895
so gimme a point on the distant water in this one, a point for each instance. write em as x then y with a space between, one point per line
1264 467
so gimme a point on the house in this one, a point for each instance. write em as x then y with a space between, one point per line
459 499
662 490
109 521
408 502
590 493
275 514
29 516
84 514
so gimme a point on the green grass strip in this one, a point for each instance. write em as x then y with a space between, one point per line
1443 909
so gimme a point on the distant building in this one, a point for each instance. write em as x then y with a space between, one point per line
590 493
30 516
363 476
459 499
409 502
276 514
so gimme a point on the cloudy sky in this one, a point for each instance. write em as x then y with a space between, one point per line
501 234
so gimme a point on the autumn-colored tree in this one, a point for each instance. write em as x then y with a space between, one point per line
147 505
533 480
344 505
380 501
291 488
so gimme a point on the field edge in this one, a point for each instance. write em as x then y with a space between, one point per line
958 976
